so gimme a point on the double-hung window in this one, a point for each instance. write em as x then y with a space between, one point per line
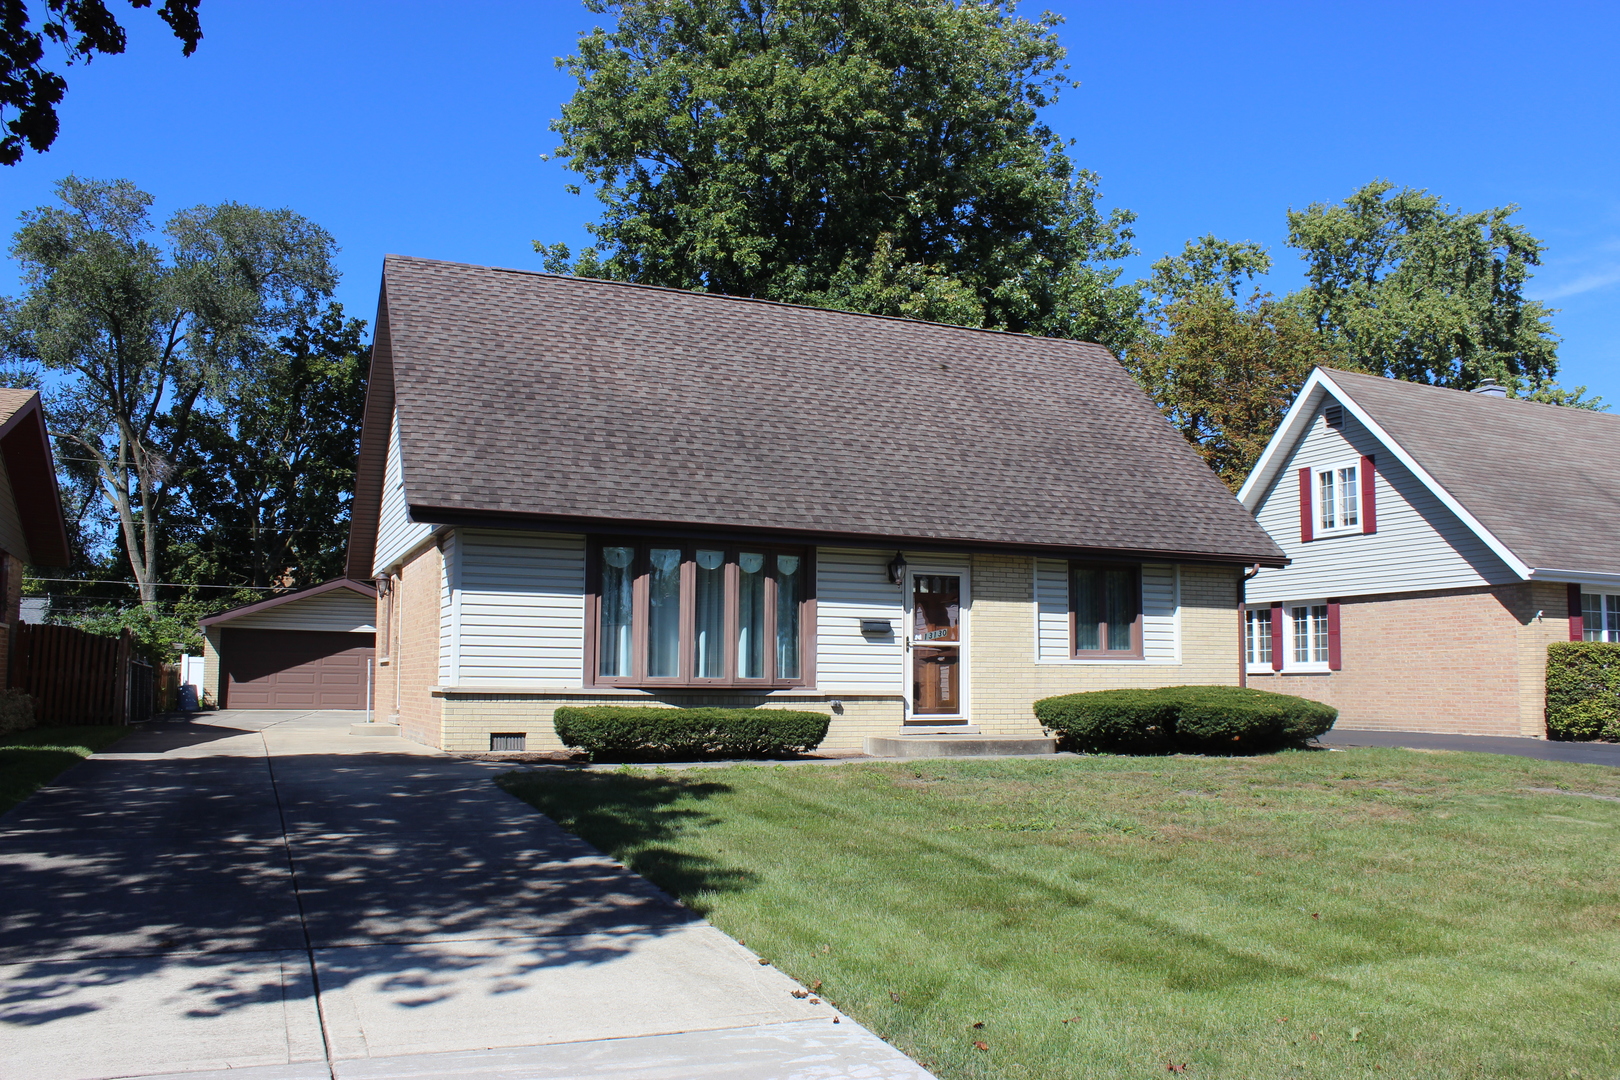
1105 610
1600 617
1307 632
1338 491
682 613
1257 643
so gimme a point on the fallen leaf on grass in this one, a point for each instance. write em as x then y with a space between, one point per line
1173 1067
816 985
1074 1020
978 1023
1316 915
894 997
981 1045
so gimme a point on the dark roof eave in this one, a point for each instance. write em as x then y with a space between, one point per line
502 519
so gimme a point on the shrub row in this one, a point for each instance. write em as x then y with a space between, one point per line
1194 718
1583 690
16 711
640 731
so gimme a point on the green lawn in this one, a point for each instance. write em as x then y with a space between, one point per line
29 759
1308 914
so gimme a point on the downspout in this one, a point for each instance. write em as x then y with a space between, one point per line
1243 624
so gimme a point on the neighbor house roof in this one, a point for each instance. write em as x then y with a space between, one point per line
570 402
1540 484
25 450
288 598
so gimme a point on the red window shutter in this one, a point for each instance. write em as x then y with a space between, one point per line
1577 617
1369 495
1305 515
1334 663
1276 637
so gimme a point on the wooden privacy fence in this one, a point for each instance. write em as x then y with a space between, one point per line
79 678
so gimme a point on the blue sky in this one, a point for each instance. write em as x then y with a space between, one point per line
403 129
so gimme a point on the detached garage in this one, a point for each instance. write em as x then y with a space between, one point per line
311 649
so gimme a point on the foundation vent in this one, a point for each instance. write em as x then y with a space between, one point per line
508 741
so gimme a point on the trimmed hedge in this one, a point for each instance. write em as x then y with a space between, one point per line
641 731
1583 690
16 711
1197 718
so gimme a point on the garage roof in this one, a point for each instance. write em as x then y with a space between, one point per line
288 598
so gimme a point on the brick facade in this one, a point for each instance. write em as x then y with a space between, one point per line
408 670
1464 661
1004 677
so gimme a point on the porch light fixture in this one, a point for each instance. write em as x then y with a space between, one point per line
381 584
897 569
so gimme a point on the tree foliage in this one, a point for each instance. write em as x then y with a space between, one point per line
83 28
1226 373
1411 288
873 155
137 334
268 475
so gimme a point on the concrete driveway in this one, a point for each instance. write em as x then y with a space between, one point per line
266 894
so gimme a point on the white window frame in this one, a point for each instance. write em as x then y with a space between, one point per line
1316 631
1607 609
1255 661
1336 472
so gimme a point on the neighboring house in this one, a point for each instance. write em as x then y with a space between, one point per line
1440 540
32 529
311 649
574 491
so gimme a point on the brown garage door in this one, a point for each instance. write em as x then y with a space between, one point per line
295 669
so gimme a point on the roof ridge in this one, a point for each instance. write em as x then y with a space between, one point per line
1335 373
745 299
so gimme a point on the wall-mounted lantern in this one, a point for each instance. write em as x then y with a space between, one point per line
897 569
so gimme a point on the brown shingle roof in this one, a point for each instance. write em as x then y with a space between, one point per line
25 450
1543 479
572 399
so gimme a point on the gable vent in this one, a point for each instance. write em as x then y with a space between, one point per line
1334 415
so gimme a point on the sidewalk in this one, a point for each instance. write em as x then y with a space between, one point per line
263 894
1546 750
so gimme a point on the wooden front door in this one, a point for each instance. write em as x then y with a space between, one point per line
936 645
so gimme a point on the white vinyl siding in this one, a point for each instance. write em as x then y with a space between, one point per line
448 610
1419 544
397 534
851 586
337 610
517 610
1161 615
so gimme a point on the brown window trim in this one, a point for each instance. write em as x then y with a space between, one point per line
1135 652
638 641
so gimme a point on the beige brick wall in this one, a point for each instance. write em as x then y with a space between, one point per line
470 717
1462 661
405 683
1005 680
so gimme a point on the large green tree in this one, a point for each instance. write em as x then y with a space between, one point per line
136 329
1223 370
267 475
30 92
1411 288
873 155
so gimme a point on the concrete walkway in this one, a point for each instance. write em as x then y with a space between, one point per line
265 894
1545 750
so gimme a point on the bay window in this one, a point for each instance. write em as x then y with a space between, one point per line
682 613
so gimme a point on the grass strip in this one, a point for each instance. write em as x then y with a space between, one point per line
1375 912
31 759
